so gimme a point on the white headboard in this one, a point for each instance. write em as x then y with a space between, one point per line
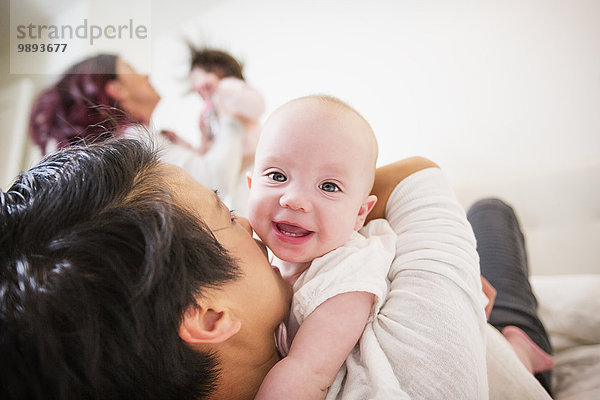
559 211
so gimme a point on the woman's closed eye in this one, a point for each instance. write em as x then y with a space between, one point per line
329 187
277 176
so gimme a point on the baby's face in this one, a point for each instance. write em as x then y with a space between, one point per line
312 175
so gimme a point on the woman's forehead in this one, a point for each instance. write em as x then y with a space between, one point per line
190 194
123 67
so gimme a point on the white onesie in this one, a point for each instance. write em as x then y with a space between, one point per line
360 265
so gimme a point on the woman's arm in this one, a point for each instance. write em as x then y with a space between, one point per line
387 177
434 304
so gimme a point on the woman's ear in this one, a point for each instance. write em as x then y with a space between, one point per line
207 325
365 209
114 89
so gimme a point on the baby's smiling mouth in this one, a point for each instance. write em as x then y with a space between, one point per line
292 230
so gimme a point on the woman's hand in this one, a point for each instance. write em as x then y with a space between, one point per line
490 293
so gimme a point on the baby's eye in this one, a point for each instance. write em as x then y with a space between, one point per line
329 187
277 176
233 215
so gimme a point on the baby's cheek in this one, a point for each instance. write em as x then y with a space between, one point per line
342 227
252 219
256 220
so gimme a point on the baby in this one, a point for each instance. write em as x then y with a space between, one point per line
309 195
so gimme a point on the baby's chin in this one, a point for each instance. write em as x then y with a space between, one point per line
287 255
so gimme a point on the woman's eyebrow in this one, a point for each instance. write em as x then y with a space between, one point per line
219 202
219 205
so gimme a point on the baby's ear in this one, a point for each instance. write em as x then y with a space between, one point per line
208 325
249 179
365 209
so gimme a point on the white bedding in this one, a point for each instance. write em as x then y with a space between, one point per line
569 306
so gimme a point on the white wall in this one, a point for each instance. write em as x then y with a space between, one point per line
484 88
15 101
481 87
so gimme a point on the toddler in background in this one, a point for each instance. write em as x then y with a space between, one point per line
217 76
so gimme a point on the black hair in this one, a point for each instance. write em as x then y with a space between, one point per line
217 61
97 266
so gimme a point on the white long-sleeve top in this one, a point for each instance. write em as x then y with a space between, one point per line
428 339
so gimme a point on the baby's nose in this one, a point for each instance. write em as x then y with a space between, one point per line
295 200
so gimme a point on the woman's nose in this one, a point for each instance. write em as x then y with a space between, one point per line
245 224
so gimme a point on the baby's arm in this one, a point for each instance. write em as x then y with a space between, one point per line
320 347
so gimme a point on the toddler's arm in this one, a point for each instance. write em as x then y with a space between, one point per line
236 97
319 349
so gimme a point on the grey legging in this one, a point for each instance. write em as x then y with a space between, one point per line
501 248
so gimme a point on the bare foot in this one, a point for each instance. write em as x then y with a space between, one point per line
531 355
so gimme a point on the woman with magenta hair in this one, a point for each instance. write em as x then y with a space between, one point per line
86 103
103 96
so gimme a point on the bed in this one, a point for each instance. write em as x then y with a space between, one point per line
559 212
568 307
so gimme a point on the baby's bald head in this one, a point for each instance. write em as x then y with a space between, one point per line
326 119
